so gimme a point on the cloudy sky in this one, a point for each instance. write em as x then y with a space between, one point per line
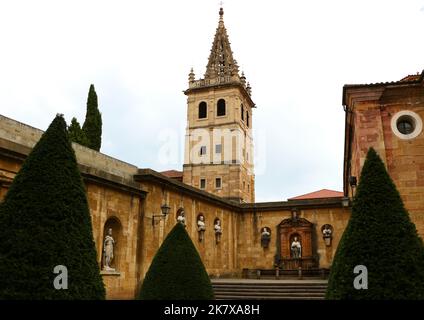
297 56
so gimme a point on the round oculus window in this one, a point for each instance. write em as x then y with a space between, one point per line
406 124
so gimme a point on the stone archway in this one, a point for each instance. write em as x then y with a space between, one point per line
301 229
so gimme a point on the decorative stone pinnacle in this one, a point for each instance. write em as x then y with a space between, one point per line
191 76
249 89
243 78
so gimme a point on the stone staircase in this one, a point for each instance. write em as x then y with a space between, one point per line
249 289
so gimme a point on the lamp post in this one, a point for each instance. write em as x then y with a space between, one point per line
345 201
165 211
353 181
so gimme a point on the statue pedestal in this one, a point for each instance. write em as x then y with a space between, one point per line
327 241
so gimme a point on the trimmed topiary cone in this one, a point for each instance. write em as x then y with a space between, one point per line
381 237
177 271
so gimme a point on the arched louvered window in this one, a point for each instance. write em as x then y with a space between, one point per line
203 110
221 107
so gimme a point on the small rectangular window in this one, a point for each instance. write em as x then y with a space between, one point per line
202 150
218 183
202 183
218 148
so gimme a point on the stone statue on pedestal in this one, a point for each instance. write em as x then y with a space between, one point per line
201 227
108 247
218 230
217 226
326 232
296 249
181 218
265 237
201 224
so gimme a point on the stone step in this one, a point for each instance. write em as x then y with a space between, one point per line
289 286
276 294
273 291
269 289
241 297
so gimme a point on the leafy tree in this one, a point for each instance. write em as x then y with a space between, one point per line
92 126
177 271
76 134
45 222
381 237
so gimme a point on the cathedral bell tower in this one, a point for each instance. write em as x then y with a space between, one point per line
219 145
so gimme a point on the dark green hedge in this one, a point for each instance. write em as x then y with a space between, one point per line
380 236
45 222
177 271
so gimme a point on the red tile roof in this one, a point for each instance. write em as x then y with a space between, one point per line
411 77
323 193
172 174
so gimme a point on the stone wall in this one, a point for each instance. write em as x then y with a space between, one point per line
372 111
128 200
28 136
252 255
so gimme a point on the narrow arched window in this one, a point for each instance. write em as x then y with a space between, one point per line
242 112
221 107
203 110
247 118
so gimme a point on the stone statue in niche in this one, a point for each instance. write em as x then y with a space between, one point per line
327 234
296 249
201 227
218 230
265 237
108 248
181 218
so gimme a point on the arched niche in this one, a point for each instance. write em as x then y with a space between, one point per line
302 229
115 225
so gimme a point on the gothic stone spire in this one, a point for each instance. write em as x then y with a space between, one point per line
221 62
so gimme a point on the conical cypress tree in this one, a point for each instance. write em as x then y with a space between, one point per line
76 134
45 222
177 271
92 126
381 237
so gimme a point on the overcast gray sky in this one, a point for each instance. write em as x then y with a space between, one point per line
297 56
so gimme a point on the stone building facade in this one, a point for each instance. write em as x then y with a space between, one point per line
254 236
388 117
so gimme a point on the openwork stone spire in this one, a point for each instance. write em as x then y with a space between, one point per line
222 68
221 62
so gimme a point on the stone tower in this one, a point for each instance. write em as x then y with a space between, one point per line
219 144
